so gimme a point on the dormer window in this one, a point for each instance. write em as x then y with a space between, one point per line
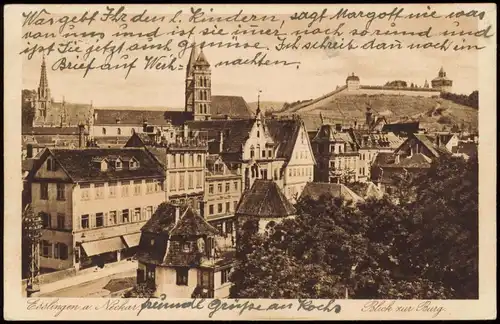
133 164
118 165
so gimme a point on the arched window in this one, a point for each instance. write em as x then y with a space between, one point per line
119 131
252 152
258 151
103 131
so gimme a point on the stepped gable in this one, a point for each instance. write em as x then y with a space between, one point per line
265 200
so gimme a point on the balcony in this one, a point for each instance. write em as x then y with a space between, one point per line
188 144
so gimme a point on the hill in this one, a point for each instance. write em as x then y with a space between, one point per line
433 113
267 106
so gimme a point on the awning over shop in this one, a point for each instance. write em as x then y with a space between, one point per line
103 246
132 239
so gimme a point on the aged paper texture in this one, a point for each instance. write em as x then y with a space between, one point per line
232 162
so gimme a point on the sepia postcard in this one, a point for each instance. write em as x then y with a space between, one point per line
250 162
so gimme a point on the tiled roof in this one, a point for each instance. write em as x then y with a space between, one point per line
406 128
465 148
265 199
138 116
77 163
352 77
384 158
284 134
233 106
235 132
366 189
315 190
192 224
415 161
424 139
365 138
28 130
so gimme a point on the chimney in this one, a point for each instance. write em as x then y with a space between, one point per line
177 213
81 135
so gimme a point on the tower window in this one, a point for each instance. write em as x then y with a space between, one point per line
119 131
103 131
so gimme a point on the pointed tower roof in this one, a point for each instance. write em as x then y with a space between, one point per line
192 60
265 199
44 83
202 60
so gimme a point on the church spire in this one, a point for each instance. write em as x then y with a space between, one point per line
192 60
258 111
43 86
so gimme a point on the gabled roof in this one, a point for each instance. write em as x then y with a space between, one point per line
284 133
418 160
366 189
234 107
424 139
266 200
138 117
235 132
202 60
77 163
315 190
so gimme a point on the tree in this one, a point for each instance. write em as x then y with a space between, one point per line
27 111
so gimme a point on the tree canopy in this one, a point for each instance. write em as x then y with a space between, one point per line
426 246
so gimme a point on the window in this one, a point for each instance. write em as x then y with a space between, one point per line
51 165
112 217
198 160
45 220
85 221
158 185
99 220
186 247
150 272
181 156
191 160
149 212
224 276
211 209
60 251
228 207
125 216
99 191
211 189
125 188
270 154
137 214
182 276
133 164
235 184
294 172
198 180
252 152
181 181
137 187
258 133
173 177
289 172
119 131
228 186
44 191
103 131
60 191
205 280
150 186
219 208
235 205
190 180
112 189
219 187
263 153
60 221
46 249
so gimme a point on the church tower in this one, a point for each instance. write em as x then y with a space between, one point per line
442 82
198 86
43 100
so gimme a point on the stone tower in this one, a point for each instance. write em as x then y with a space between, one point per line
442 82
43 100
198 86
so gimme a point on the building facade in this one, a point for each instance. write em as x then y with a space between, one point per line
93 203
179 255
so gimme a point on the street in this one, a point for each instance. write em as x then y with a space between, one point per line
94 288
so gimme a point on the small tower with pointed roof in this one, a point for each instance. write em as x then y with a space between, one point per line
43 101
198 85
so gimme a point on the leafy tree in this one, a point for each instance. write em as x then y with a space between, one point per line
27 112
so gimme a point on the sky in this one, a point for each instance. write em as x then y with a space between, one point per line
320 71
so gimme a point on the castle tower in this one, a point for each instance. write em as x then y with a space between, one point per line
198 86
43 100
352 82
442 82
